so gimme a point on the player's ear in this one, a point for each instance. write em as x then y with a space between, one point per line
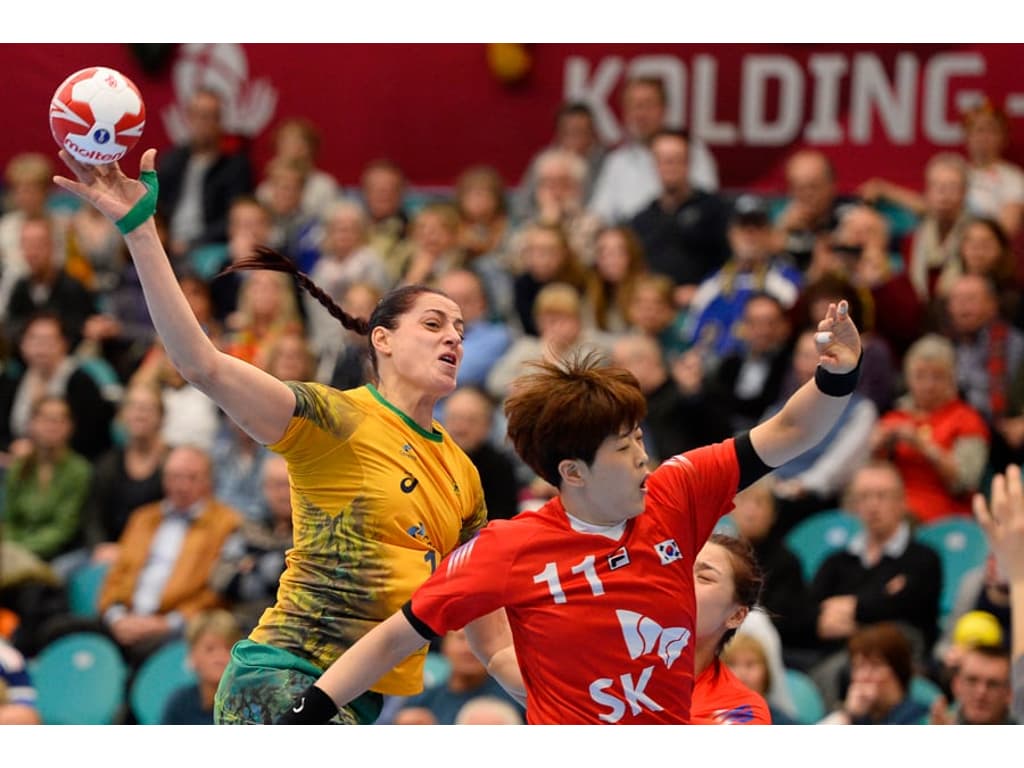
572 472
737 617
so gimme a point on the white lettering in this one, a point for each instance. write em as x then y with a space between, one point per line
940 70
586 567
895 105
827 70
705 75
672 72
635 692
595 92
756 129
616 708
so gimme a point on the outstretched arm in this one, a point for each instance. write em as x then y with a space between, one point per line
258 402
810 413
374 654
1003 522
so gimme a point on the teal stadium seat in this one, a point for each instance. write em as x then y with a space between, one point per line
961 545
160 676
726 526
84 585
436 670
816 537
810 706
79 679
923 690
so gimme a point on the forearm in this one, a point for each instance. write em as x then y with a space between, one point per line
830 473
504 667
189 349
802 423
375 654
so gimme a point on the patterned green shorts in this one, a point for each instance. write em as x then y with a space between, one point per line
261 682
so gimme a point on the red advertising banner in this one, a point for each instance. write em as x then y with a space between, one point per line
437 108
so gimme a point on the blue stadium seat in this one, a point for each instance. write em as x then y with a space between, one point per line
159 677
810 706
961 545
923 690
79 679
818 536
726 526
436 670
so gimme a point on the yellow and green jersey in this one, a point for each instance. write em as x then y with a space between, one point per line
377 502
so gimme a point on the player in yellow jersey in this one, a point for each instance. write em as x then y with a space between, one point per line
380 492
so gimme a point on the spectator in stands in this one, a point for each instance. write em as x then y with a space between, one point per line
167 553
296 140
47 485
291 358
488 710
717 307
28 180
293 231
815 480
17 695
619 261
252 561
349 367
209 635
995 187
937 441
559 199
881 667
859 251
679 417
383 191
882 575
981 690
249 226
468 680
546 257
480 199
468 415
558 314
199 179
814 206
983 595
985 250
47 285
432 249
49 370
989 360
345 258
784 594
651 310
128 475
747 381
237 462
628 179
485 338
575 132
682 227
267 309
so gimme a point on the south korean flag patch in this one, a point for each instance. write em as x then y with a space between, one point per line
668 551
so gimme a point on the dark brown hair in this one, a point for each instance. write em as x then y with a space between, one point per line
565 411
748 579
886 642
393 305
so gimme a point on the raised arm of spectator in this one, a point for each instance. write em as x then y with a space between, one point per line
258 402
1003 521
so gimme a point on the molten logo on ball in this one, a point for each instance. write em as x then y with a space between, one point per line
97 115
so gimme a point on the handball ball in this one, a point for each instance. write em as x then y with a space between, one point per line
97 115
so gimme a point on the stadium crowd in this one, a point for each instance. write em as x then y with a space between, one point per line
708 294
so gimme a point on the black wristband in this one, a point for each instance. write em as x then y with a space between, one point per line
313 707
838 384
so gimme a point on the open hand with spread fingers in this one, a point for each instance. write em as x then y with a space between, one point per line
106 187
1003 522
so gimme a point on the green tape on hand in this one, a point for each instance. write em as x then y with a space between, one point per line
146 206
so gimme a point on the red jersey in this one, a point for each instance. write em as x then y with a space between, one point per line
719 698
603 628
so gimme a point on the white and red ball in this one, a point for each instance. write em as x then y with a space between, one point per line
97 115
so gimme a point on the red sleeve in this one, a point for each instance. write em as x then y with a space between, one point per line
694 490
719 698
469 583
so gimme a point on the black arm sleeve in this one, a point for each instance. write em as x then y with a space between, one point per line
752 468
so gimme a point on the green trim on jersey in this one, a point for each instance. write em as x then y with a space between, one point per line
432 435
